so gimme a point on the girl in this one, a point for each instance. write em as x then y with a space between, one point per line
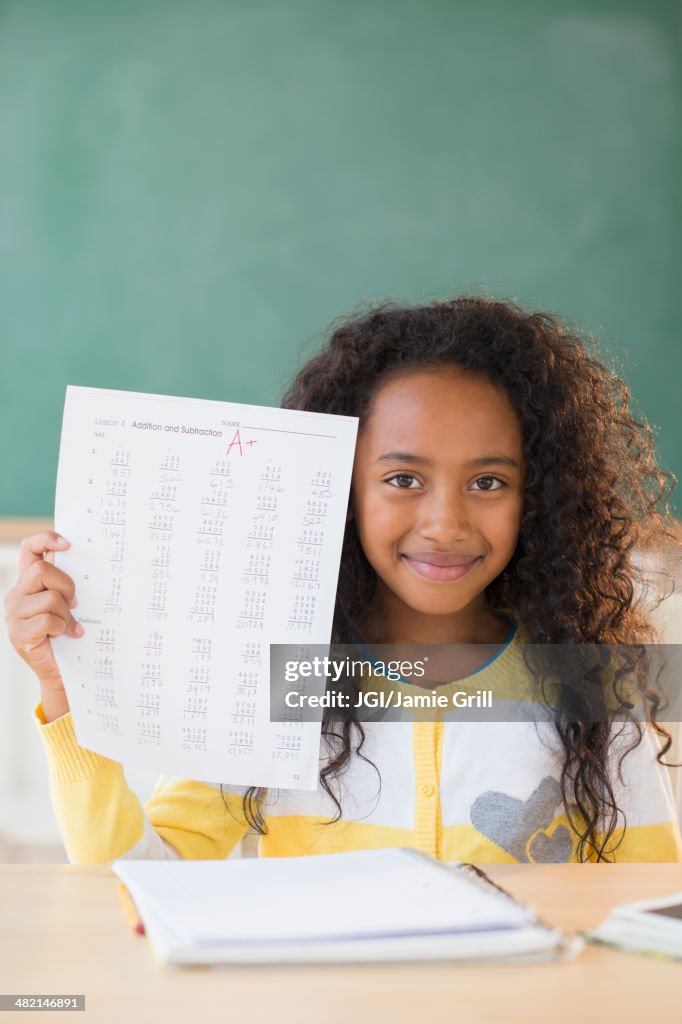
499 487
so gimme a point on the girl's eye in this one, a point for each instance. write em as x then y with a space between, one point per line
489 483
402 477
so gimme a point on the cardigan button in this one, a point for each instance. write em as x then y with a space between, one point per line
427 789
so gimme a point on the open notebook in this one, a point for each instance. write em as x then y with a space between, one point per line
370 905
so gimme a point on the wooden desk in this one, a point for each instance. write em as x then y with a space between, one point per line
62 931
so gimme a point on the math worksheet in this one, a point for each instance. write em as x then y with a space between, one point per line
201 532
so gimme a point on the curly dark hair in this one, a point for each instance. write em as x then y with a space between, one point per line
593 490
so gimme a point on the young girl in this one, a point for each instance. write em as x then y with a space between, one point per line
499 488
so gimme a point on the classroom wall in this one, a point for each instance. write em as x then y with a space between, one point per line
189 192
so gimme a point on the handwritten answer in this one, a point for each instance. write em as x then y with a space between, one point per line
201 532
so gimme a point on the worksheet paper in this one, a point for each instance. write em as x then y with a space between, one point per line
201 532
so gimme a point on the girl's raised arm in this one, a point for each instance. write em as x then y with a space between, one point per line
99 816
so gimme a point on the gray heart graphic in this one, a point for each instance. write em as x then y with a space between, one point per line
510 822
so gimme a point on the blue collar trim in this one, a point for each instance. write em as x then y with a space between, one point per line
510 636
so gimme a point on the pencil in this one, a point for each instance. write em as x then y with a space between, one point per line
129 910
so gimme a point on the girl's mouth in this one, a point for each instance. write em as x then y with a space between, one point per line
444 573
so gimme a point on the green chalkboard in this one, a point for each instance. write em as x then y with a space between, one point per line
190 192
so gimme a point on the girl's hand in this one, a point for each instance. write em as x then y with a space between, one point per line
38 608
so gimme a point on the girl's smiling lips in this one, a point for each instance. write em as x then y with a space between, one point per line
437 565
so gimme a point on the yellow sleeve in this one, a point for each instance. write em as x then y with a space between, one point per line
100 818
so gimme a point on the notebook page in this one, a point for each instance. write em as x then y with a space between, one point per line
331 896
201 532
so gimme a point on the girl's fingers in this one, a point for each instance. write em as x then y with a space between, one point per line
46 602
40 576
34 547
29 634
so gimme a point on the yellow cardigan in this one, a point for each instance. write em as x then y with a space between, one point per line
486 792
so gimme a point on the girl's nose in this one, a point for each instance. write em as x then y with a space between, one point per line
445 517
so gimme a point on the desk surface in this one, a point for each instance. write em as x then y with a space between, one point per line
61 931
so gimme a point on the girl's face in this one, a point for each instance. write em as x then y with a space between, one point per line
436 496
